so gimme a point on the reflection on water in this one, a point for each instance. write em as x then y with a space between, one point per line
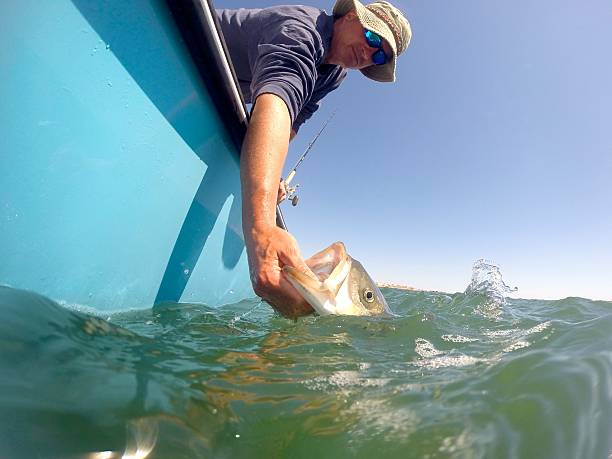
142 436
186 381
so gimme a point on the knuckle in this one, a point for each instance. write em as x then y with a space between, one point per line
259 288
261 285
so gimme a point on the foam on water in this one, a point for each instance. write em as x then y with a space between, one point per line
434 358
458 339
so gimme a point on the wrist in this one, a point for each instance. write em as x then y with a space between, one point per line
259 213
256 230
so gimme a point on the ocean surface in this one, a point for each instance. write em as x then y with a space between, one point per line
463 375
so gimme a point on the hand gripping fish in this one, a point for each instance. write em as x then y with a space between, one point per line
341 286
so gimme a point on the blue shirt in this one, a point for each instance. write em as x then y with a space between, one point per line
281 50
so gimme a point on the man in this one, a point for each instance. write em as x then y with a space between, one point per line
287 58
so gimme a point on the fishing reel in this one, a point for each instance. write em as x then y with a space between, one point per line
292 194
291 191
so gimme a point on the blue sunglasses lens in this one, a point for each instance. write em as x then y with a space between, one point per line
379 57
373 39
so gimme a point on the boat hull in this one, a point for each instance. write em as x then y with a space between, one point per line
119 178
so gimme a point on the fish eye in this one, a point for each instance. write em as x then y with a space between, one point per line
368 295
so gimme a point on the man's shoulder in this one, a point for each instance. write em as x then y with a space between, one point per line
277 10
295 9
308 15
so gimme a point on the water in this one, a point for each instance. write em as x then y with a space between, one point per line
464 375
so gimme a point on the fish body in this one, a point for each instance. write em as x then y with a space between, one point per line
340 285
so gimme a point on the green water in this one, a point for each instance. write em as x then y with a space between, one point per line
464 375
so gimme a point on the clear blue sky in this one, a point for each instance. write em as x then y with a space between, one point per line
495 142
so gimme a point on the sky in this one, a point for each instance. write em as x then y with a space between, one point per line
495 142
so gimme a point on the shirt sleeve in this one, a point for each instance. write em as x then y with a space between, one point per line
322 88
285 63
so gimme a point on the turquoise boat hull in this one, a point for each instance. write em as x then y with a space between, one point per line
119 166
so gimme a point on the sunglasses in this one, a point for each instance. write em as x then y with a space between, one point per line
375 41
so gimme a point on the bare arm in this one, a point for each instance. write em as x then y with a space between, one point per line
269 248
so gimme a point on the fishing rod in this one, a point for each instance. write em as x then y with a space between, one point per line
292 190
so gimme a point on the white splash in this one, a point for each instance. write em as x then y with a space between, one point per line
487 280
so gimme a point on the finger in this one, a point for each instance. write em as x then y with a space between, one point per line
281 195
289 302
293 258
292 302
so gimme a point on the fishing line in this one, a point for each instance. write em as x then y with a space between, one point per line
239 317
292 190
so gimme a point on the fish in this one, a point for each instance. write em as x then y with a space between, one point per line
338 284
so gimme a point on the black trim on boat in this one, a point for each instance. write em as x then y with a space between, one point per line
204 39
193 18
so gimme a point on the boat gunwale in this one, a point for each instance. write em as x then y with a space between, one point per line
201 32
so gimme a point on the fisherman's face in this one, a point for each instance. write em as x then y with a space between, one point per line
349 47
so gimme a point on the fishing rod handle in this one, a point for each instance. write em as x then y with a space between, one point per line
290 177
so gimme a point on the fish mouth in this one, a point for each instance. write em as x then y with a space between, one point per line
296 276
314 291
334 283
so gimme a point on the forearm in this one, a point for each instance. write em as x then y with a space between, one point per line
263 155
269 248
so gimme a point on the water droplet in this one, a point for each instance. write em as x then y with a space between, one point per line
237 435
186 271
107 46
